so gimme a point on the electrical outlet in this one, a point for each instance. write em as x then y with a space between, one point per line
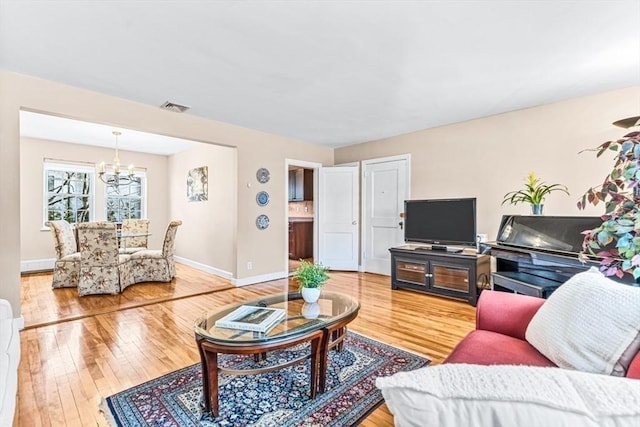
249 265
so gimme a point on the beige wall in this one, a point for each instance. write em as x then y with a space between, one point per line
488 157
208 232
268 247
36 241
265 249
483 158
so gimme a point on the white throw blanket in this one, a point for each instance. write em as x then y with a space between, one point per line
473 395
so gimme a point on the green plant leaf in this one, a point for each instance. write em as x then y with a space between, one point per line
534 191
310 275
619 234
604 238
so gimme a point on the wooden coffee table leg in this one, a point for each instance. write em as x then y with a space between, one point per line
324 354
204 403
316 359
209 382
259 356
213 383
331 337
340 336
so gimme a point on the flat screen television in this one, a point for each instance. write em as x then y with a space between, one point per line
440 222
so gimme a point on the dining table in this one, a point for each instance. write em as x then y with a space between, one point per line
122 237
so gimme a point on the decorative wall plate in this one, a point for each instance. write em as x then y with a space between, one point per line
262 222
262 198
263 175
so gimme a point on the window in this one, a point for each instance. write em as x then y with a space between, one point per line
125 198
68 192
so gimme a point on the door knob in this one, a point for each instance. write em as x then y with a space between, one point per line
354 222
401 224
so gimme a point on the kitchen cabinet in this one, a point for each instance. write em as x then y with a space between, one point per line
300 185
300 239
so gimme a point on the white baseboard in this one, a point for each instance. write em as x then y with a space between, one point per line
206 268
34 265
228 275
259 279
47 264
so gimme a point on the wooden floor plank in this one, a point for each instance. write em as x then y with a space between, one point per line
77 351
42 305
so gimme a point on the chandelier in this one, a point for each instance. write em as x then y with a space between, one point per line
115 176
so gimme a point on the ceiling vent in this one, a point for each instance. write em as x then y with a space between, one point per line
176 108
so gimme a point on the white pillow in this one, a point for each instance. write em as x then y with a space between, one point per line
590 323
459 395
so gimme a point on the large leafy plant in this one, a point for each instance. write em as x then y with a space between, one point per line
311 275
535 191
617 240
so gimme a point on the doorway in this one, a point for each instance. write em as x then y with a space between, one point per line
301 212
335 213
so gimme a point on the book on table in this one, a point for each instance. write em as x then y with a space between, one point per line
252 318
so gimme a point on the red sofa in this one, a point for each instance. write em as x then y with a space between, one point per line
499 339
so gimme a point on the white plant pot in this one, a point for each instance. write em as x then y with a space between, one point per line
310 295
310 310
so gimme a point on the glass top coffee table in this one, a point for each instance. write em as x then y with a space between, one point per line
322 324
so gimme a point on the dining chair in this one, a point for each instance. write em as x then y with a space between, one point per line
103 270
157 265
129 245
67 264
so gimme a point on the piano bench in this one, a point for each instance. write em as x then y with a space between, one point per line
524 283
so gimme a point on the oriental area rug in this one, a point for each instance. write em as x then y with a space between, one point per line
277 398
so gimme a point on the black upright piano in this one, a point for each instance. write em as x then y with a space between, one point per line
536 254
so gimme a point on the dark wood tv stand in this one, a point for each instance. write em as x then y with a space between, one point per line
448 273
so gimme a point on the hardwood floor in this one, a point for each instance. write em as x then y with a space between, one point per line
78 350
42 305
294 264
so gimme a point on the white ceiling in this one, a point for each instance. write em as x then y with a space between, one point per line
43 126
329 72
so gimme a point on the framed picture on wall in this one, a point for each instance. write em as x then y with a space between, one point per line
198 184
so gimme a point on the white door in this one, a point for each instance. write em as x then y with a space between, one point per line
384 192
338 214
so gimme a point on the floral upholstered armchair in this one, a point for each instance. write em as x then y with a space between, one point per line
139 228
102 269
67 265
155 265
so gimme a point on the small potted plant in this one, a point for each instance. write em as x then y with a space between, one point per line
310 277
617 240
534 193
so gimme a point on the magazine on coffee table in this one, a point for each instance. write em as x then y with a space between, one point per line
252 318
